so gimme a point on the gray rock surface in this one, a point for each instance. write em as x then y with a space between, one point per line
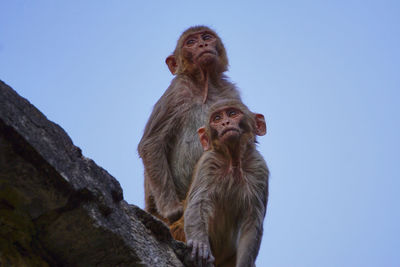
58 208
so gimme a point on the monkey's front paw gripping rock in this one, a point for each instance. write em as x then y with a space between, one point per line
201 253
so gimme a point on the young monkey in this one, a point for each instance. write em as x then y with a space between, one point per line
226 203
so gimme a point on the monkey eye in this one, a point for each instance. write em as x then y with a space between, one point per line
217 117
232 112
207 37
190 41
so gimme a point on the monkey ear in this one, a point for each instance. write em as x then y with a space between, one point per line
172 65
205 142
261 126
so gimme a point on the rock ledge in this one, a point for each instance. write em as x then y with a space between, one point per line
58 208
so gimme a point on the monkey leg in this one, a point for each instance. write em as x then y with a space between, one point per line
177 230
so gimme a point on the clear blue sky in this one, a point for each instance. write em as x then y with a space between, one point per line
326 75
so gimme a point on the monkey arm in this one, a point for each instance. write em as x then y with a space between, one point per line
250 239
197 214
249 244
196 219
196 225
252 229
154 148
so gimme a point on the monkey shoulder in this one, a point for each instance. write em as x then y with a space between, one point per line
256 174
208 165
256 166
177 93
205 162
231 89
228 89
174 103
166 117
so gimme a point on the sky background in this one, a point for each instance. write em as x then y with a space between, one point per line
326 75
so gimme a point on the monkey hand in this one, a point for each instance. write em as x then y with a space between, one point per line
201 253
174 213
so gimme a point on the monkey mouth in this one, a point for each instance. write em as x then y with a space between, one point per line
229 130
206 52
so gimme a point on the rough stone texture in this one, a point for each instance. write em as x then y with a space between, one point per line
58 208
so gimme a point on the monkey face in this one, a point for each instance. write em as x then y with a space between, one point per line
200 48
225 123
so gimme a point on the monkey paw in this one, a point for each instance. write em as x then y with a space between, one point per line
201 253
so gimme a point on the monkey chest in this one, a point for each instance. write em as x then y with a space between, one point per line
237 196
187 149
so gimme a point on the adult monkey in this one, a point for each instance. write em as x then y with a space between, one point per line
169 147
227 200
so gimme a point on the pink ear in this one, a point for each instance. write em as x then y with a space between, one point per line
172 65
205 142
261 127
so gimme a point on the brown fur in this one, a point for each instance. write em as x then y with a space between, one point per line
226 204
177 229
169 147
